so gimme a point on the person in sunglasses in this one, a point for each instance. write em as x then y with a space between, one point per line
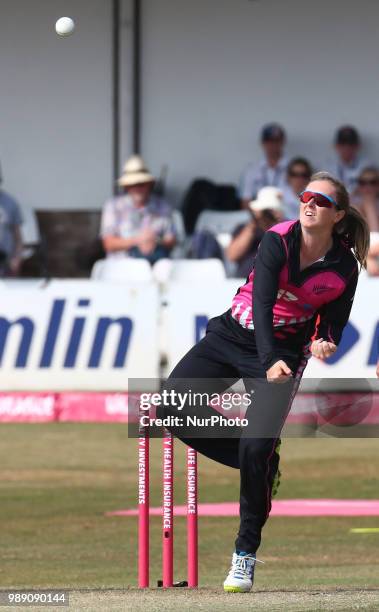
373 255
266 211
366 197
294 304
299 172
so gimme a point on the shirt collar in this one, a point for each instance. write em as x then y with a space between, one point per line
334 253
281 165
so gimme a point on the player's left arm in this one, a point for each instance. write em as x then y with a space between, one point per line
332 320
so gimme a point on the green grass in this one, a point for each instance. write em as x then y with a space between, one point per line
58 480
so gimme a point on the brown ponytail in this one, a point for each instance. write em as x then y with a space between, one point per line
353 228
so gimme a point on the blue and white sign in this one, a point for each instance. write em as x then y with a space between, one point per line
78 335
190 307
93 336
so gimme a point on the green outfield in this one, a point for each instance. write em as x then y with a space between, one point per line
58 480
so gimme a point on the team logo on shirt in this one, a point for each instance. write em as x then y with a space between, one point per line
317 289
287 296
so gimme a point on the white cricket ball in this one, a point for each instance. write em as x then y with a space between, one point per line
65 26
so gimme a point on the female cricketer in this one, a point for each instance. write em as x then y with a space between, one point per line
294 304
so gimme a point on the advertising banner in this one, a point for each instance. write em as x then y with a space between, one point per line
78 335
189 307
94 336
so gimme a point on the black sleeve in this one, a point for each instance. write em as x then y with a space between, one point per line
270 259
334 315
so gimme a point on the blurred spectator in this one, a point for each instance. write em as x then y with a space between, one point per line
10 235
373 259
348 162
299 172
204 245
267 210
271 170
366 197
137 223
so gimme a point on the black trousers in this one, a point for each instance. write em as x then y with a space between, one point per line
226 354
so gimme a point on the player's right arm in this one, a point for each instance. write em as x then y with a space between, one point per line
269 261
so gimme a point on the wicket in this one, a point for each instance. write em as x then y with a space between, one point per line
167 514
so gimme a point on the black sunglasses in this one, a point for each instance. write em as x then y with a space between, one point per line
368 182
303 175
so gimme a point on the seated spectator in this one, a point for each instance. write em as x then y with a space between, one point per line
373 255
271 170
267 210
10 235
366 197
348 161
299 172
137 223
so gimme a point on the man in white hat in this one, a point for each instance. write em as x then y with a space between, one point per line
267 210
137 223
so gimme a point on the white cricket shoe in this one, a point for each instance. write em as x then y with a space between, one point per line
241 574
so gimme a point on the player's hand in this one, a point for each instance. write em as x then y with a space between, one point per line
279 372
377 369
322 349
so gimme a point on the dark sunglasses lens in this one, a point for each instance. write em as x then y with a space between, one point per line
302 175
306 197
368 183
320 199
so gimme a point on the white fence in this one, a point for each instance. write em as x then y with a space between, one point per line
93 336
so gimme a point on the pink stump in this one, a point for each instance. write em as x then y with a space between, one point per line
168 510
143 511
192 530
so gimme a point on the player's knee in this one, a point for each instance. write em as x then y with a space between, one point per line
257 449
